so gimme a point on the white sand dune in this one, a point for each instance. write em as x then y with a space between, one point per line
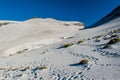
34 50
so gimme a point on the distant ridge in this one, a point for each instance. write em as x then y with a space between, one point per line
112 15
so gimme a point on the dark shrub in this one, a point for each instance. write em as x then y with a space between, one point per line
112 41
66 24
67 45
84 61
80 41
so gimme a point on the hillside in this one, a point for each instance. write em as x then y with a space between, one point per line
48 49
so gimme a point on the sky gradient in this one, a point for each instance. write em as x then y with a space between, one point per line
87 11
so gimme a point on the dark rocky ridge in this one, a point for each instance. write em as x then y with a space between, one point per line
112 15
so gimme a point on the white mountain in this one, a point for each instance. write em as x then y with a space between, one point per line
49 49
18 35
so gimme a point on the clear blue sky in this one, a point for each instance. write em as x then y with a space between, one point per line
87 11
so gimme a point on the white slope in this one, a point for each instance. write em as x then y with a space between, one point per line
33 50
33 33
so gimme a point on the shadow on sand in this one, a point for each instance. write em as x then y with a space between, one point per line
75 64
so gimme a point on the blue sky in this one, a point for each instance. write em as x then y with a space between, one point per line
87 11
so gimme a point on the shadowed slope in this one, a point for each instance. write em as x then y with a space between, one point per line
112 15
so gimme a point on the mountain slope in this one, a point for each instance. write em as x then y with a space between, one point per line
56 54
34 31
